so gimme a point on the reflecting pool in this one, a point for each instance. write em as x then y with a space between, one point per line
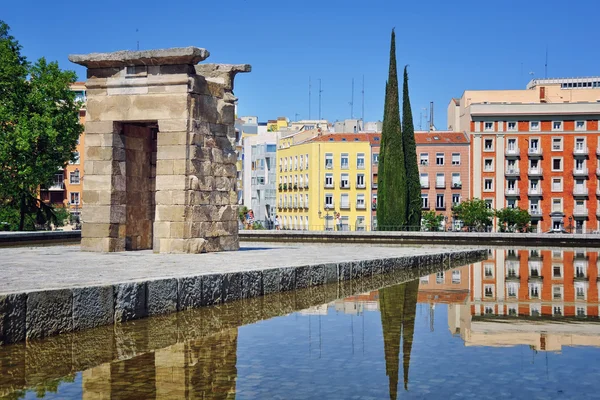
521 324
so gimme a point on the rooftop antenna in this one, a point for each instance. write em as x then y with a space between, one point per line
546 65
320 91
309 96
138 38
363 102
296 116
425 115
352 101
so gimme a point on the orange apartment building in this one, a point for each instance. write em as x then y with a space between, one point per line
67 188
444 171
537 149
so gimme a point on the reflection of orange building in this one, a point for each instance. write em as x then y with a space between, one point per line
445 287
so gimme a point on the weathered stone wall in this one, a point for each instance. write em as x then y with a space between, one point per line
194 176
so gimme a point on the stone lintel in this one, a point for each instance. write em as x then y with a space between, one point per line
222 73
173 56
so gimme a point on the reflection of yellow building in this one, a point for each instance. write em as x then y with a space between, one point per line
323 176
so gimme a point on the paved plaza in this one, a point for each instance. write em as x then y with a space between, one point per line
26 269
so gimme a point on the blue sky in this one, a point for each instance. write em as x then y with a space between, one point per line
450 46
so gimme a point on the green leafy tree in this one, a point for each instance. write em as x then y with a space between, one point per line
474 214
391 203
432 221
39 127
513 219
413 184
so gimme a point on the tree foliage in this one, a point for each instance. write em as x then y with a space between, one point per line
474 214
413 183
39 126
391 204
513 219
432 221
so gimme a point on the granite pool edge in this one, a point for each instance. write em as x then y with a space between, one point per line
42 313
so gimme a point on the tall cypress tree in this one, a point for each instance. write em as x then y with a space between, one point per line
413 184
391 209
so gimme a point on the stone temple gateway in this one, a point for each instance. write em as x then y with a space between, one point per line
159 155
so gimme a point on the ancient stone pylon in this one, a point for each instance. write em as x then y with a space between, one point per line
160 156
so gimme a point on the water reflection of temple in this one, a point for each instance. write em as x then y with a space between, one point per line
198 369
546 299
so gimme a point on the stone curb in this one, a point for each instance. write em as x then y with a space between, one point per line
39 314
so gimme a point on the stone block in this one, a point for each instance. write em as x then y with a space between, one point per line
93 306
100 127
345 271
288 279
130 301
302 277
161 296
232 286
252 284
12 318
172 152
331 273
103 245
171 182
173 125
173 213
358 269
189 292
212 289
317 275
100 230
116 214
92 347
49 313
176 139
271 280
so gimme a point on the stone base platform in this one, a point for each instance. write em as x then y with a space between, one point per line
46 291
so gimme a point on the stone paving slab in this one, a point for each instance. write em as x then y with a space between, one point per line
46 291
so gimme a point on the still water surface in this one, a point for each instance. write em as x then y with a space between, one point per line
522 324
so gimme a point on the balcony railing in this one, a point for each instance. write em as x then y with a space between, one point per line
512 172
424 185
344 185
511 191
579 191
329 206
360 166
329 185
440 185
457 185
374 185
440 206
536 171
361 206
581 151
512 152
535 212
534 191
580 212
345 206
328 165
361 186
580 171
534 151
57 186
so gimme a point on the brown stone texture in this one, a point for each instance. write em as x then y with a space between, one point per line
160 165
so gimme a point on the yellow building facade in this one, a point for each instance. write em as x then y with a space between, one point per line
327 175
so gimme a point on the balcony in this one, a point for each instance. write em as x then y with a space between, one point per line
580 212
344 206
581 152
581 172
598 151
512 152
360 166
535 213
328 165
514 172
345 166
329 206
440 185
329 185
361 186
535 171
56 187
374 185
512 192
534 191
374 206
513 277
534 151
580 191
424 185
440 206
361 206
457 185
344 185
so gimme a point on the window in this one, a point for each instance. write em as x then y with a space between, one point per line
74 177
488 271
455 199
489 310
534 310
557 164
511 203
424 178
360 161
557 292
580 270
579 165
301 181
511 167
579 144
489 203
581 311
439 159
301 162
557 205
439 201
425 201
345 161
328 200
74 198
424 159
557 185
360 201
306 201
488 290
75 158
345 201
456 183
557 125
345 181
534 291
488 164
534 126
296 163
512 311
556 271
456 276
557 311
306 182
557 144
440 180
328 160
488 184
511 289
306 161
328 180
360 181
376 159
488 126
511 126
488 145
455 158
580 125
534 144
580 292
511 144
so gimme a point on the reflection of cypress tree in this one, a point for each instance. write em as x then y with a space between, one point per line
391 305
214 374
408 325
